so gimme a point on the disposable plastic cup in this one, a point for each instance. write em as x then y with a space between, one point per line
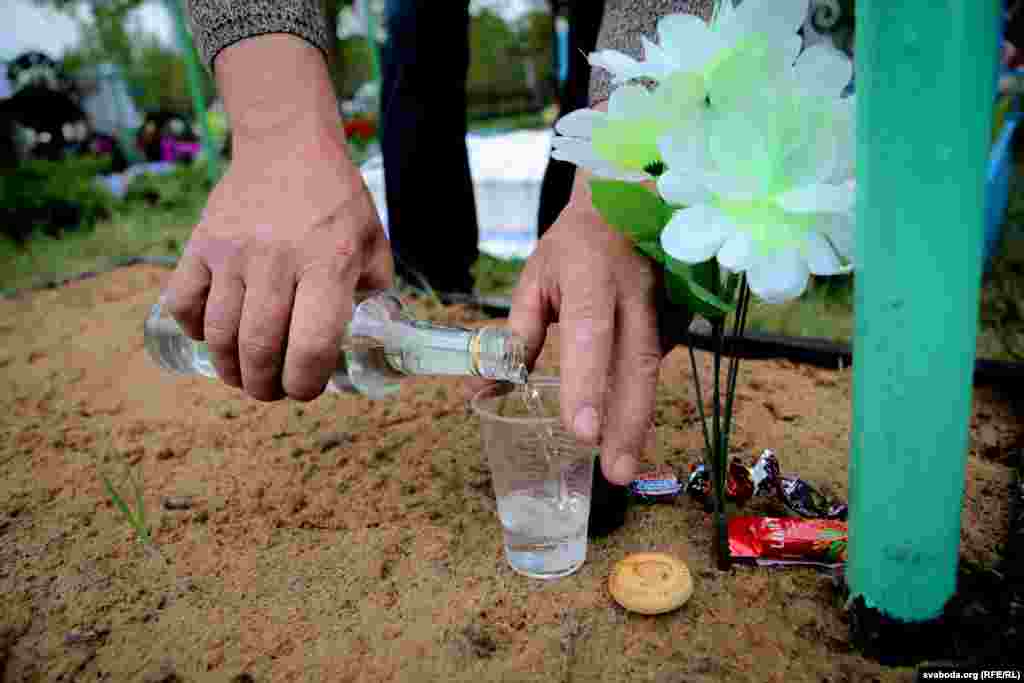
542 479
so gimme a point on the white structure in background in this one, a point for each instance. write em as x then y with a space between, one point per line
6 90
106 100
507 172
352 20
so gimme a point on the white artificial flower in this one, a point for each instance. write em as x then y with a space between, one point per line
743 49
622 143
768 183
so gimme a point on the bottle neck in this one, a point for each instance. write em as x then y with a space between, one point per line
418 347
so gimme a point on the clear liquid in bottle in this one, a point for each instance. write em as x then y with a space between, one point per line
383 345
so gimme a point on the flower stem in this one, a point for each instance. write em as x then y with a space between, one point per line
719 455
740 323
700 401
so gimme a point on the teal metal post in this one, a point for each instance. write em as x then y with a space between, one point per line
195 86
371 38
925 90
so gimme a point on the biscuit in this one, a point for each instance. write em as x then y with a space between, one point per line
650 583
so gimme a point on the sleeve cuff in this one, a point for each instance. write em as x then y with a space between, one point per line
623 24
215 27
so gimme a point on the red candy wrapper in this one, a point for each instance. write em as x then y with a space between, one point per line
788 540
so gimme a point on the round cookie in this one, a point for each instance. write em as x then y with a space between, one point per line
650 583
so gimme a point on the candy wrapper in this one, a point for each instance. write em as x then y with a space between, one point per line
788 540
763 478
802 498
741 482
698 484
765 474
656 485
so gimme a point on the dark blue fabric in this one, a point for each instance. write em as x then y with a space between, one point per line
432 216
431 210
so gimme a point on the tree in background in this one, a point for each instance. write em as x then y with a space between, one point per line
156 73
535 31
496 71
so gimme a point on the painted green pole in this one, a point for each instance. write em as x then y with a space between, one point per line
925 92
371 38
195 86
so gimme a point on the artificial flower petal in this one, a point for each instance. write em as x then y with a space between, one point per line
579 123
820 256
742 155
684 150
658 63
737 253
628 144
622 67
689 40
817 198
694 234
779 276
683 189
754 66
823 71
679 98
840 230
580 153
776 20
846 140
791 47
809 143
630 102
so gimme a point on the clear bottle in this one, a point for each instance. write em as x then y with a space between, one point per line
383 344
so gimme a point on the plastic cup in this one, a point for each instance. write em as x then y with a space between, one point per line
542 479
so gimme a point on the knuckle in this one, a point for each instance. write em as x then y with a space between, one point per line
589 326
259 355
221 338
182 307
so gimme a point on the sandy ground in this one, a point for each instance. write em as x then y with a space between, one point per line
347 540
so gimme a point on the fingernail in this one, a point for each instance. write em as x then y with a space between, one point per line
620 469
587 425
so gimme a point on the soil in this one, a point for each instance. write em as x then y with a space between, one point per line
351 540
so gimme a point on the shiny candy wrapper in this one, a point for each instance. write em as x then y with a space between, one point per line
794 493
763 478
698 484
765 473
656 485
803 499
788 541
739 484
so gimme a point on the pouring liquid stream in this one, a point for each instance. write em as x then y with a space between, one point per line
548 444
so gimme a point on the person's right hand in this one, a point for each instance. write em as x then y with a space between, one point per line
268 276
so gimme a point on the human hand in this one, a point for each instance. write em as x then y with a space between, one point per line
605 296
268 276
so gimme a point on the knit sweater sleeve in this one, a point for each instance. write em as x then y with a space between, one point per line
216 24
623 24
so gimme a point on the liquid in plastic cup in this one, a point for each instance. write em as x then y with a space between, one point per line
542 479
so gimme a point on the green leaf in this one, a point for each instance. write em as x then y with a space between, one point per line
652 250
731 283
116 498
631 208
691 286
140 507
